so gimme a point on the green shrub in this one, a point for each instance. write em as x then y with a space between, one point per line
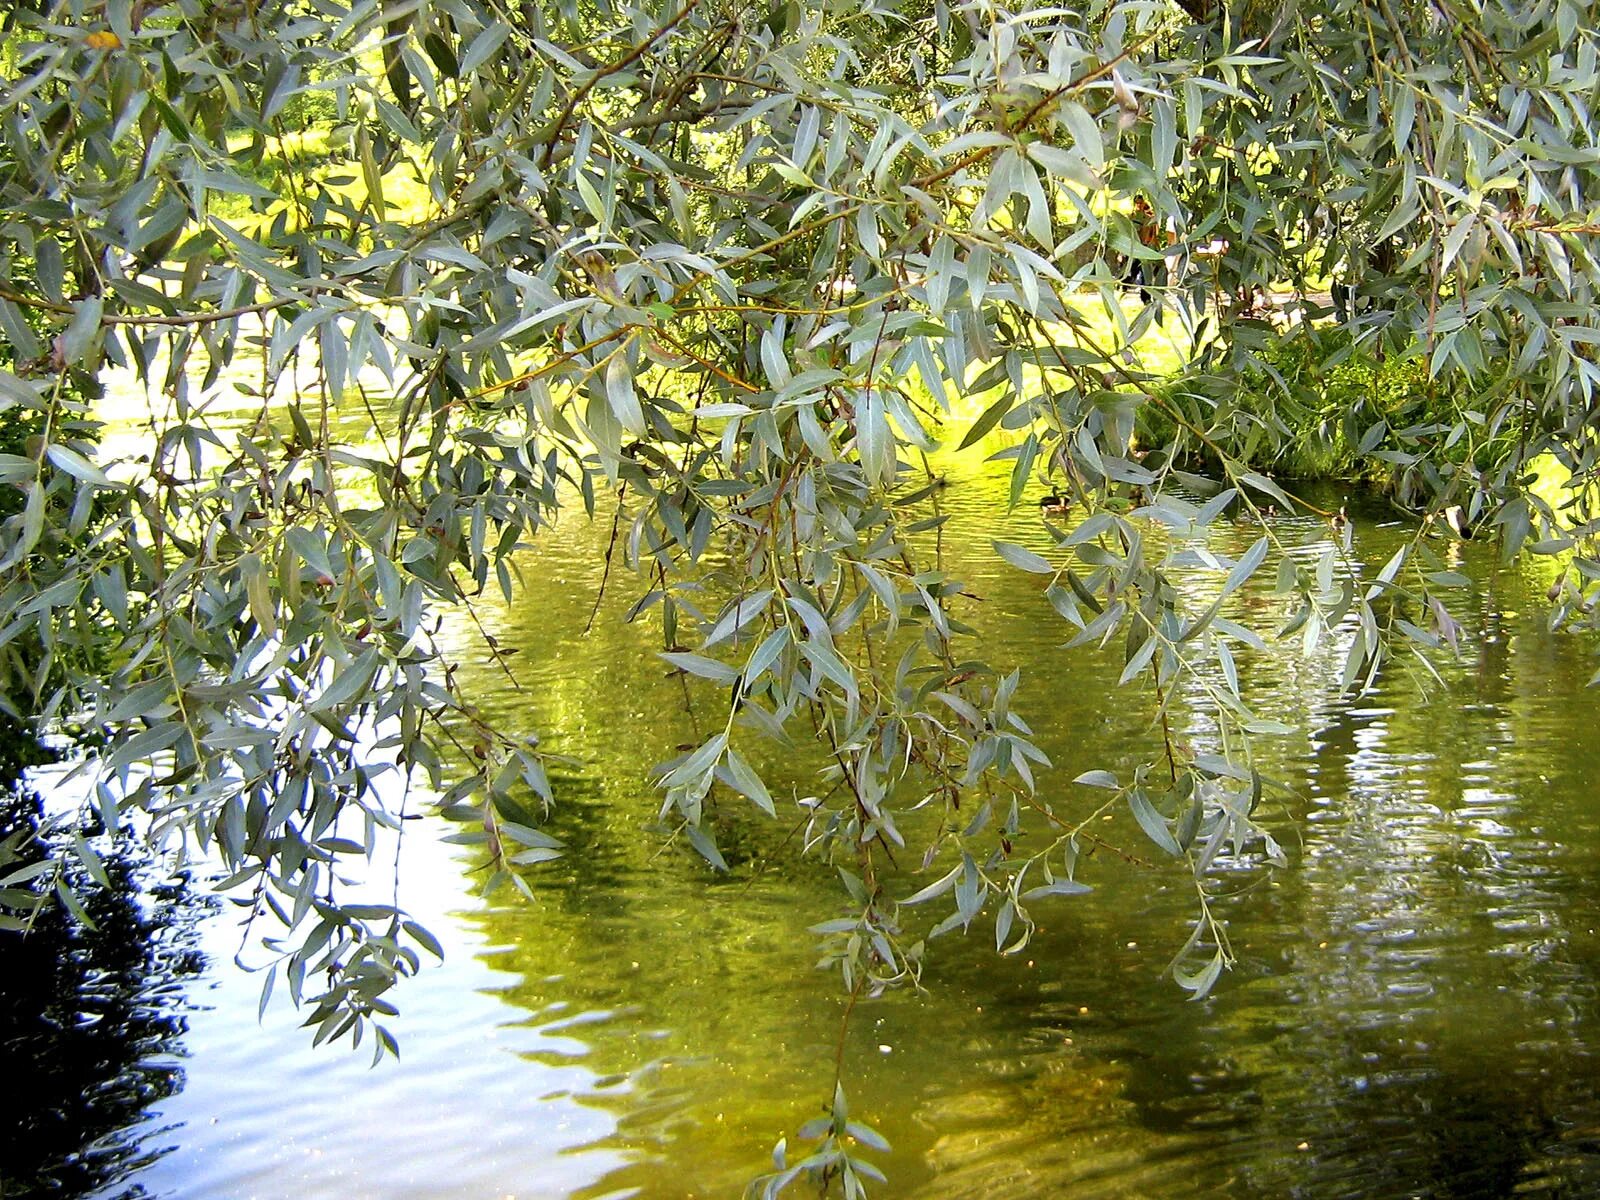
1312 403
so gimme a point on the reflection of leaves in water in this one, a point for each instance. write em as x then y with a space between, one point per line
707 1039
91 1019
692 1000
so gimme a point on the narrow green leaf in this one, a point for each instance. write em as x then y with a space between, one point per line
1026 560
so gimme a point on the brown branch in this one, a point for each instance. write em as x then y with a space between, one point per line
197 318
798 231
605 575
976 156
621 64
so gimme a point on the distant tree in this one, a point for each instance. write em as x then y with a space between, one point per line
717 273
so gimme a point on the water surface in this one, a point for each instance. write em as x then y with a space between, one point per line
1415 1010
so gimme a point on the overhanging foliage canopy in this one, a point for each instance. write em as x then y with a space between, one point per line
722 271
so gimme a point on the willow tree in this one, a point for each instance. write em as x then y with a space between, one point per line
716 274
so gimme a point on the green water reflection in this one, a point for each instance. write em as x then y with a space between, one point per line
1415 1011
1415 1007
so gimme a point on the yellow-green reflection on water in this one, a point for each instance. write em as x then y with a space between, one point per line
1415 1011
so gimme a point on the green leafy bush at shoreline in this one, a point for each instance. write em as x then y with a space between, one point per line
1324 407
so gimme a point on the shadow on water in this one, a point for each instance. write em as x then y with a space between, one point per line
91 1025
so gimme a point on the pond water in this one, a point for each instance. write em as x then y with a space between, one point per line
1415 1010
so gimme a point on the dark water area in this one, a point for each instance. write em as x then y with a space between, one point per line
1415 1010
92 1015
